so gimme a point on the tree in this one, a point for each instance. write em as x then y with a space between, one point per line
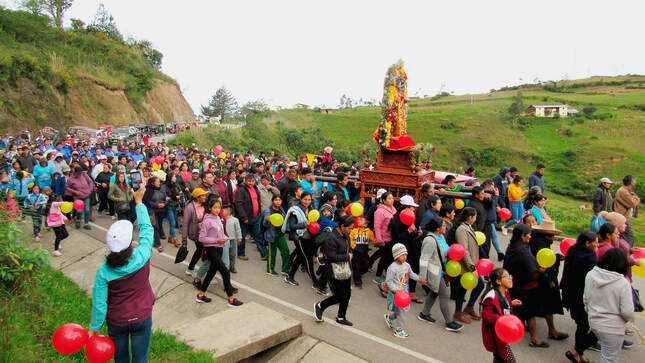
104 23
77 25
588 111
517 107
33 6
151 54
254 107
222 104
56 9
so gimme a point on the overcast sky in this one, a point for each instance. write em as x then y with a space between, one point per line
288 52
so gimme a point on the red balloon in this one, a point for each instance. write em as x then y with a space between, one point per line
639 253
504 213
79 204
99 349
566 244
314 227
69 338
509 328
407 217
402 299
456 252
349 209
484 266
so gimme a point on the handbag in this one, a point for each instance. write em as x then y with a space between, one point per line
341 270
182 252
638 306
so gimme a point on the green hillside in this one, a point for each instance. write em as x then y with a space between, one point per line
55 77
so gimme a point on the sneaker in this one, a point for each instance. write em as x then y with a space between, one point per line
318 314
291 281
377 280
233 270
87 226
243 258
322 292
284 273
77 224
263 258
628 344
37 239
272 273
359 286
114 218
595 347
344 321
505 231
401 334
426 318
388 321
197 284
190 272
370 269
500 256
57 253
234 303
454 326
203 299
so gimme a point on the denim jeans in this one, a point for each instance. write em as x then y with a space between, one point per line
86 209
172 220
138 334
495 238
517 210
252 228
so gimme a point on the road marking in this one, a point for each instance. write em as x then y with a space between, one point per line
299 309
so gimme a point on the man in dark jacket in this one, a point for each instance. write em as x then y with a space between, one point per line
537 178
602 199
340 188
501 183
248 208
288 186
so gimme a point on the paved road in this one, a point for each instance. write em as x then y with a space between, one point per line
370 338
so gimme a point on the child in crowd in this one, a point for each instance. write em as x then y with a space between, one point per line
34 205
396 279
275 239
359 238
497 302
57 220
234 237
326 226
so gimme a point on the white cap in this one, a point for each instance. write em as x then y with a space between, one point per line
380 192
606 180
119 236
102 157
196 171
408 201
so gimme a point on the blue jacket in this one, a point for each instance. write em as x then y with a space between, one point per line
59 187
43 175
105 274
21 186
269 232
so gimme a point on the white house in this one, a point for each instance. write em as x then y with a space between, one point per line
548 110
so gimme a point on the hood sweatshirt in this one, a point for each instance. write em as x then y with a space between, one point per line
608 299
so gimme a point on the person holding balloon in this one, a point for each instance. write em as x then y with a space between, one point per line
272 220
620 222
404 231
122 294
579 260
57 220
397 279
34 203
499 327
465 236
434 251
382 217
297 223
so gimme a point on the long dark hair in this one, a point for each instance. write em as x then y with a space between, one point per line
519 231
605 230
614 260
461 218
495 275
119 259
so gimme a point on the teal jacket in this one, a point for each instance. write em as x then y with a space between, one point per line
105 274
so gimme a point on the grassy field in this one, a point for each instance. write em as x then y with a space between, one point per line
28 321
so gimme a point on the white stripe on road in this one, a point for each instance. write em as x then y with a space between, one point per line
299 309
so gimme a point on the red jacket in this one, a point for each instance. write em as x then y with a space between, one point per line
492 310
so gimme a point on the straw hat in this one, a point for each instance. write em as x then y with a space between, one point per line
547 227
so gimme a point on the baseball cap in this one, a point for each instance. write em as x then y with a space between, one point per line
380 192
407 200
102 157
199 192
78 169
196 171
119 236
606 180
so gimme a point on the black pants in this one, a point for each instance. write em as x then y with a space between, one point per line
104 202
386 258
196 255
360 264
324 277
342 291
305 250
376 255
484 250
585 338
215 257
61 233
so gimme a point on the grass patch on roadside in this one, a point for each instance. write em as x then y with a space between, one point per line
29 318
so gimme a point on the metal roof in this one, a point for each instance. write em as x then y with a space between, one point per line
543 106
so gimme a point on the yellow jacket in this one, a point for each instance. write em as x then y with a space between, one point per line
515 193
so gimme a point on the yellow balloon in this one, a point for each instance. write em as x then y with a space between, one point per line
639 270
357 209
313 215
459 204
156 166
222 155
546 257
453 268
30 185
481 237
468 281
276 219
66 207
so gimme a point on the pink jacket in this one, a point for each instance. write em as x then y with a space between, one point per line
56 218
382 218
605 246
212 230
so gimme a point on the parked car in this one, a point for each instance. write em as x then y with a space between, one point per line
124 133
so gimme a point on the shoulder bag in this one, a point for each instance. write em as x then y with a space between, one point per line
341 270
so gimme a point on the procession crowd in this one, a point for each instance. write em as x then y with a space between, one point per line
217 203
